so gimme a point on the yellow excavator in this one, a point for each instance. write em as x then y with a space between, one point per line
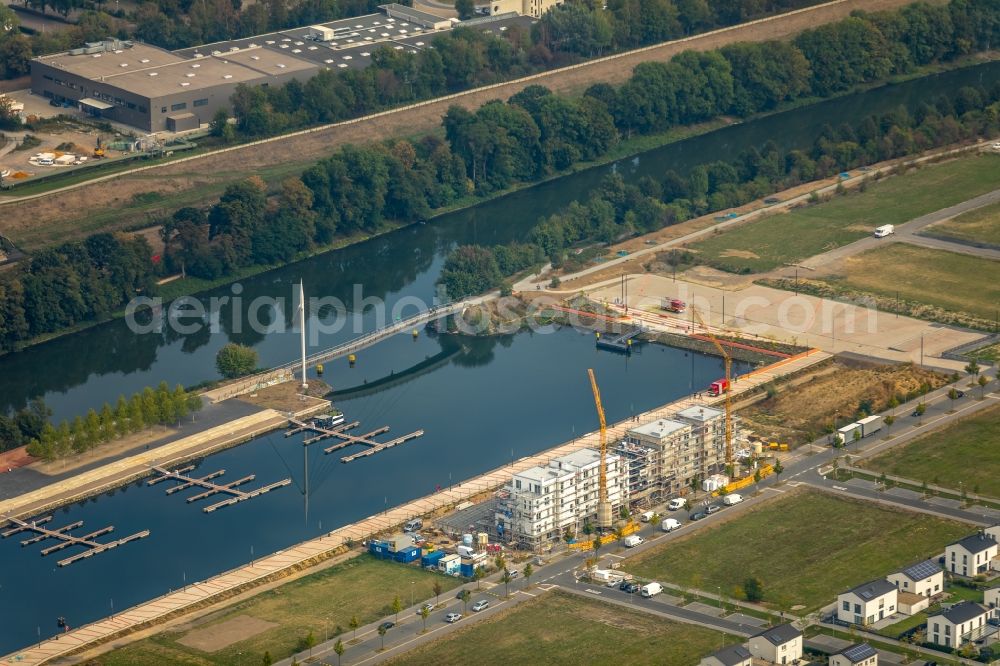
99 149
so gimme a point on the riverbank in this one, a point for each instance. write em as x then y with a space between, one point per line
81 486
267 568
625 149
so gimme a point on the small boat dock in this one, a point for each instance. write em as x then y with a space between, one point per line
621 343
65 539
339 432
211 488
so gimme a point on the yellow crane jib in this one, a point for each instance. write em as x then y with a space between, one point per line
728 361
604 520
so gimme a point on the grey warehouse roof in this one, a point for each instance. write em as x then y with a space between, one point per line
732 655
780 635
961 612
874 589
921 570
859 652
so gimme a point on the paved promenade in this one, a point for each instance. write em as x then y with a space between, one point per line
301 554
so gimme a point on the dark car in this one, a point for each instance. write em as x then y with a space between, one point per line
698 516
387 625
712 509
960 394
916 412
630 588
772 200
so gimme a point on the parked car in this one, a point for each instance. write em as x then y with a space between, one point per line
677 503
713 508
732 498
387 625
452 617
429 606
628 587
670 524
632 541
698 516
459 595
514 573
480 605
960 394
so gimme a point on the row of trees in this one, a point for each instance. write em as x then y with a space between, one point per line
73 283
468 57
616 209
23 425
143 410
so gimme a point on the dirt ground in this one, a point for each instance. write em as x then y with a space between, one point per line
287 396
64 206
10 460
218 636
800 413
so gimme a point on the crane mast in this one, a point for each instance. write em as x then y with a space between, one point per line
604 520
728 362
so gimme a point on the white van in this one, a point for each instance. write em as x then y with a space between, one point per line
732 498
677 504
670 524
413 525
632 541
650 589
646 516
884 230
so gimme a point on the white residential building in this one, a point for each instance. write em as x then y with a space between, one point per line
778 645
991 598
972 555
923 578
959 624
543 502
733 655
860 654
868 603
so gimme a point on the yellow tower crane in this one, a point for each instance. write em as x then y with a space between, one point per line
604 520
727 389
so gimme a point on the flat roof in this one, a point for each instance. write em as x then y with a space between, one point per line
186 75
659 428
137 57
409 12
700 413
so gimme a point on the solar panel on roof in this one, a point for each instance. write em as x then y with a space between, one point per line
922 570
860 652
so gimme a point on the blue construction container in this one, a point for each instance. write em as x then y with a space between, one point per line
380 549
432 559
407 555
466 570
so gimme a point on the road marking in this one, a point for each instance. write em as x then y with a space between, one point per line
839 488
594 591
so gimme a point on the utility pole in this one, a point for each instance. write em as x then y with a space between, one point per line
302 327
921 350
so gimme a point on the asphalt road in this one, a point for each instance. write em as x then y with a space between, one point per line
803 468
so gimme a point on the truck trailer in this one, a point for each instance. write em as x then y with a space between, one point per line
673 305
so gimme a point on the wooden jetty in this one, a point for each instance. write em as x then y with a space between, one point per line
340 433
212 488
620 343
65 539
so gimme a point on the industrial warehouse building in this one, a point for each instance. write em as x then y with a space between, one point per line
157 90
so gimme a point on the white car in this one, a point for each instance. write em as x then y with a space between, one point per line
996 146
480 605
452 617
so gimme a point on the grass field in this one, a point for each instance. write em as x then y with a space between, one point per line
785 238
559 628
805 547
965 451
319 603
977 226
946 280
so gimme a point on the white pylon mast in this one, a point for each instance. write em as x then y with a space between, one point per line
302 327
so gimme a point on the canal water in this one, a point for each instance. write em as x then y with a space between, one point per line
481 401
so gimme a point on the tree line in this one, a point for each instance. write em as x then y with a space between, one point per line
142 410
616 209
533 134
467 57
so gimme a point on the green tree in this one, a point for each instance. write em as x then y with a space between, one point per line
424 614
973 369
78 432
354 624
194 404
309 642
477 575
889 420
121 417
397 606
920 411
92 424
136 420
235 360
588 528
381 634
596 545
179 398
506 578
528 571
339 648
778 469
150 407
266 660
437 591
466 9
465 595
753 588
982 381
108 431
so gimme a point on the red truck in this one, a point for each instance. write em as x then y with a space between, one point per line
673 305
718 387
